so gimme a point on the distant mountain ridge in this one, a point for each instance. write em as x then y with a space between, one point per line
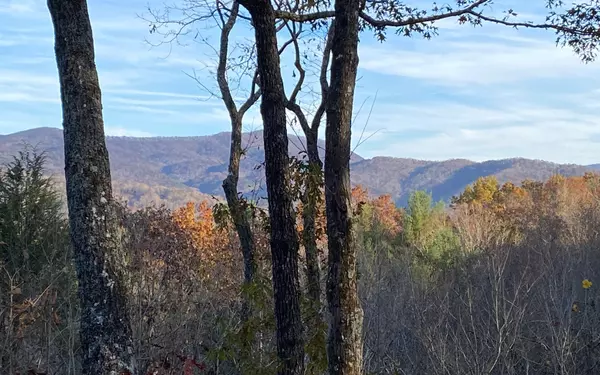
175 169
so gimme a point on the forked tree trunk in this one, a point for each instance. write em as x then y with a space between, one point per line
284 241
106 343
312 194
344 347
230 184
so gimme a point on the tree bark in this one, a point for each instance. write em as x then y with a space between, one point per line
284 241
310 198
230 184
238 213
106 343
309 234
344 346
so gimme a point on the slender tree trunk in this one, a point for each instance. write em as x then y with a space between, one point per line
344 347
309 215
106 343
238 213
230 184
311 196
284 241
309 200
244 231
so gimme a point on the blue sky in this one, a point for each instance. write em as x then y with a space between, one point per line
484 93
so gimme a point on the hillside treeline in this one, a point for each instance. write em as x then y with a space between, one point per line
501 281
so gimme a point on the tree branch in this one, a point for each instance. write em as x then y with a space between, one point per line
531 25
222 66
417 20
376 22
297 63
323 78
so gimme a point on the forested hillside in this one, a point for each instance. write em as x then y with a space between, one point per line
175 170
512 267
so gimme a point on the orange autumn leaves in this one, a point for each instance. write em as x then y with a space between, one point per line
509 205
212 242
381 211
216 245
198 220
487 212
367 210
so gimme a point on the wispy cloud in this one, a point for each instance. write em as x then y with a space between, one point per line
440 131
500 60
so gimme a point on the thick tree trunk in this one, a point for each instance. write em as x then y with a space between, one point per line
284 241
106 343
344 347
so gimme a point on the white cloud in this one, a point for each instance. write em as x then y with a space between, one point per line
14 76
437 131
505 58
124 132
482 96
20 97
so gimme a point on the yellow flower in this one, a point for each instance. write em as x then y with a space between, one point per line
575 308
586 284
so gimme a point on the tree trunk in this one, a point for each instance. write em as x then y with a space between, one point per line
230 184
284 241
106 343
344 346
238 213
309 200
242 225
309 215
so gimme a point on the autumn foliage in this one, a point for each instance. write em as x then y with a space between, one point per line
212 243
378 210
513 266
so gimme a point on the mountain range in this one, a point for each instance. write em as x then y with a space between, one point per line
174 170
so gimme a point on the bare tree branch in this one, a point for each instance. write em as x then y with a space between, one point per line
222 68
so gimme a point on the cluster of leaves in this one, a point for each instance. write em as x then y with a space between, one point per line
376 213
428 230
307 186
210 240
510 210
577 27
